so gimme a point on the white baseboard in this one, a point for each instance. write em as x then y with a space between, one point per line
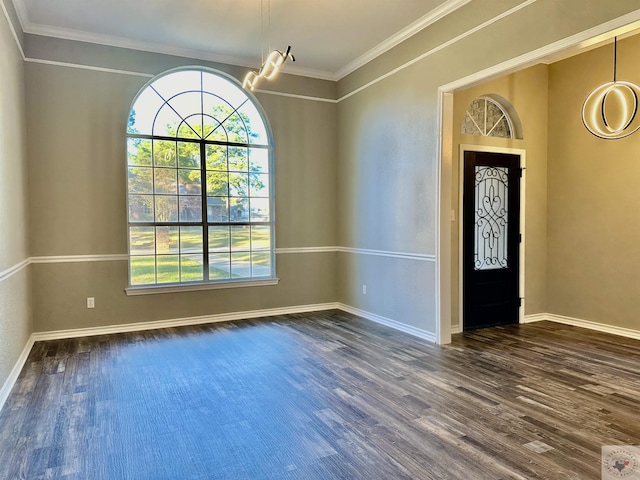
536 317
402 327
181 322
15 372
226 317
178 322
578 322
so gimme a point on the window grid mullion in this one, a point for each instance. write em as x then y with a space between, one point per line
205 212
153 209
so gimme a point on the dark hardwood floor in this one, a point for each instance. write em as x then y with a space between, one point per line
322 396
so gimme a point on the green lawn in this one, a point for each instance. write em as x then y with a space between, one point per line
179 253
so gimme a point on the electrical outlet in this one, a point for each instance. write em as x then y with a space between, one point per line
364 289
91 302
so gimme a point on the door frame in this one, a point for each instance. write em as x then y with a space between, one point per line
521 249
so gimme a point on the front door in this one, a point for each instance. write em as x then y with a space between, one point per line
491 239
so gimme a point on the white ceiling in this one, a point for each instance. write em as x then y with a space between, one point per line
330 38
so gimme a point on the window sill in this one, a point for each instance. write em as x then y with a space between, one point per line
192 287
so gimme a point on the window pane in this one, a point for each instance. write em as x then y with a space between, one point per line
236 128
214 109
217 184
222 87
188 129
216 157
188 155
214 106
167 240
257 131
139 152
190 209
191 268
140 208
218 134
143 270
164 153
219 239
241 265
217 209
238 184
219 266
259 160
259 184
238 209
241 238
166 208
140 180
177 82
261 264
260 237
238 159
166 122
189 182
142 241
168 267
143 112
165 181
259 209
188 104
191 240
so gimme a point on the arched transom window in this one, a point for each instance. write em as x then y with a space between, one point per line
199 183
488 118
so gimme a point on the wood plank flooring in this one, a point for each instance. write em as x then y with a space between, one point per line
322 396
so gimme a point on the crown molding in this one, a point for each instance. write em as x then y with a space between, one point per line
433 16
128 43
21 12
12 28
31 28
579 40
151 47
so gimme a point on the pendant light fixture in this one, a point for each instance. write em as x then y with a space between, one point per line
275 59
611 110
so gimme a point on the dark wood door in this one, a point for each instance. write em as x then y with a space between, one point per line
491 239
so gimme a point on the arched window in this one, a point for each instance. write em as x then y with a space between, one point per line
199 183
491 116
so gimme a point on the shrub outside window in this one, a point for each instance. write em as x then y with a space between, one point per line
199 183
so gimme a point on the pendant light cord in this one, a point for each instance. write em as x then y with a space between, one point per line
615 55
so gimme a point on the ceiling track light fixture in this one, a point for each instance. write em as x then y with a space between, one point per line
275 59
610 111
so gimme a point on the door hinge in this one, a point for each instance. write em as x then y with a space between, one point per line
519 238
522 169
520 301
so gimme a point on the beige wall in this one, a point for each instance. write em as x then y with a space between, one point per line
15 317
594 259
388 147
362 173
78 191
527 92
